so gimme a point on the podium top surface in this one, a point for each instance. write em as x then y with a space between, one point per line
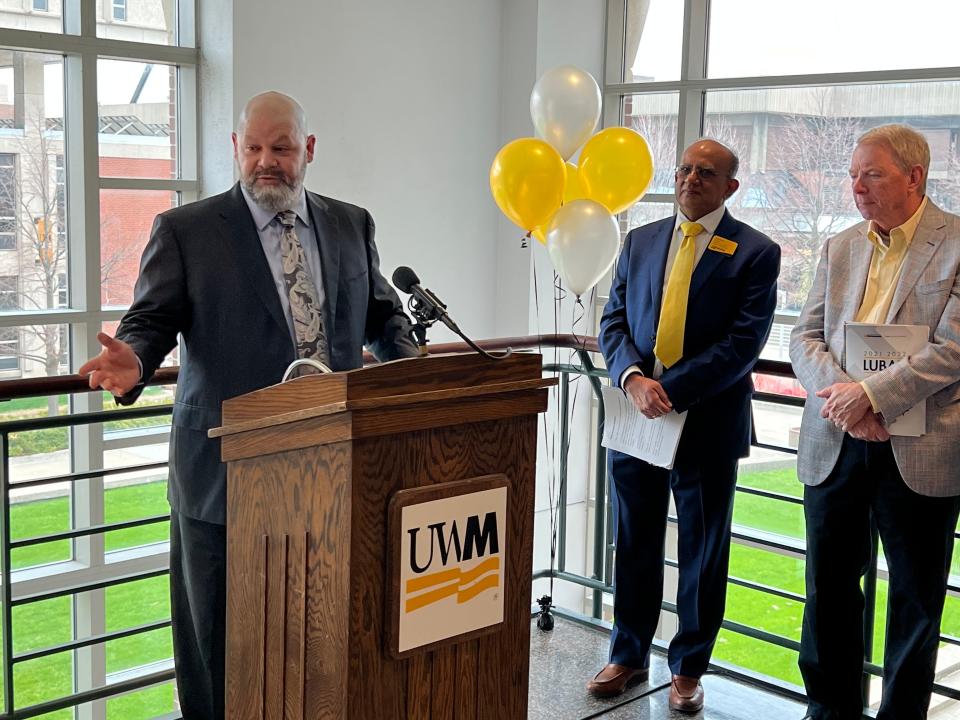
410 381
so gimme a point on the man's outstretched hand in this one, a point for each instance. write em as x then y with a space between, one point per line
116 369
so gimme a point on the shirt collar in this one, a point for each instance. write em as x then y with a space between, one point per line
263 217
900 236
710 221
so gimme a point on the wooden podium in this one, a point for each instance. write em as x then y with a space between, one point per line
314 466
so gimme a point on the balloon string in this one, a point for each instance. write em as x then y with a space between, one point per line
548 439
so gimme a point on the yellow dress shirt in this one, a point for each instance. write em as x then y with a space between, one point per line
884 274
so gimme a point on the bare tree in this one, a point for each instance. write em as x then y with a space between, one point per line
660 132
805 197
794 183
33 193
945 191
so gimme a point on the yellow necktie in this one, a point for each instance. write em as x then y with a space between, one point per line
673 313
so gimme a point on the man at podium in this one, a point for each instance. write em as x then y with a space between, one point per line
250 280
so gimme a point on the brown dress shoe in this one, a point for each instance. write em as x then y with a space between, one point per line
686 694
613 679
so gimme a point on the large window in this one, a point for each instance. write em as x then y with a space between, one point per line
789 86
97 133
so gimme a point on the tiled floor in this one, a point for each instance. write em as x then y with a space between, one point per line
563 660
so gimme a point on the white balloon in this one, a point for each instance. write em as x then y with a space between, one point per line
583 239
565 108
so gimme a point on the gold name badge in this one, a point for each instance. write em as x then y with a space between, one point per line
722 245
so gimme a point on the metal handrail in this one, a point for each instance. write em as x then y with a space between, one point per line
583 347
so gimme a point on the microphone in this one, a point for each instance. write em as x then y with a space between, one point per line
426 306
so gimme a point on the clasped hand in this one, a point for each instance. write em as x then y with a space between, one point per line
648 395
848 407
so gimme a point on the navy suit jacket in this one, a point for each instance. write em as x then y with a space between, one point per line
204 277
729 313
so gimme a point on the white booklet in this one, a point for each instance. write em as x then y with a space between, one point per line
873 348
626 430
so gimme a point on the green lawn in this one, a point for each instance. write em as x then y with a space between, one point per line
772 613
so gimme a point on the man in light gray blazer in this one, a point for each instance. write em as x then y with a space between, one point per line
899 267
217 277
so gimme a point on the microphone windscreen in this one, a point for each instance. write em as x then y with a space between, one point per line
405 278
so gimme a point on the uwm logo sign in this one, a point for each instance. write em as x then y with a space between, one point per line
449 568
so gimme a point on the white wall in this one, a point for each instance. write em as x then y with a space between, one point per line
404 100
410 102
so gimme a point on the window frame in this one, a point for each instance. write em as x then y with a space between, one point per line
81 47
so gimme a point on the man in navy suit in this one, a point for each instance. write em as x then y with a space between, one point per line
229 275
689 311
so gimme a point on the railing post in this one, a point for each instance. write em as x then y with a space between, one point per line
5 575
562 495
870 607
600 530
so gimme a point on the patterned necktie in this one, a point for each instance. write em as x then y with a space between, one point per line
301 293
673 314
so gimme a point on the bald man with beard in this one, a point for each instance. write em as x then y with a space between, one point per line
247 282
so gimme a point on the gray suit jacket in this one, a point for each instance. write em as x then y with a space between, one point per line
205 277
928 293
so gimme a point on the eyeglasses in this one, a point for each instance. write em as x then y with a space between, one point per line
702 172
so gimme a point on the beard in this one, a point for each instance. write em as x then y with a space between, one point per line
275 198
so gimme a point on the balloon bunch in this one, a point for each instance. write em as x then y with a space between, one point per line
567 207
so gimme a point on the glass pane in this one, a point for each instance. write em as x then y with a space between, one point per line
795 145
137 104
31 351
773 472
33 238
138 603
153 702
758 37
655 117
38 15
30 517
646 212
146 21
132 497
36 626
654 41
126 217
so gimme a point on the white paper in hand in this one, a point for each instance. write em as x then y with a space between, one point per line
626 430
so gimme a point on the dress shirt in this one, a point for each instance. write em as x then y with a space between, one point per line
710 221
884 275
885 266
269 228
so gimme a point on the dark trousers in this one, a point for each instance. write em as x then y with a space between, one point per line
865 487
198 606
703 489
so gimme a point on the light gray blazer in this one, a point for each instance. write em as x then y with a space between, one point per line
928 293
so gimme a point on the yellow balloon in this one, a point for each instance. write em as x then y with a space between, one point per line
527 179
572 190
615 168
